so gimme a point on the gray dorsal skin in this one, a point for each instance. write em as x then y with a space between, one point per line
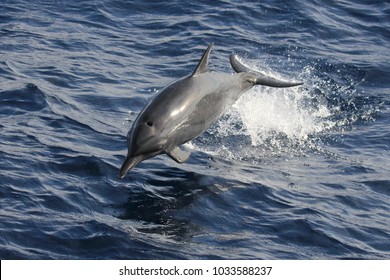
186 108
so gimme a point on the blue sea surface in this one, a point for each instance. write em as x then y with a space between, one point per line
293 173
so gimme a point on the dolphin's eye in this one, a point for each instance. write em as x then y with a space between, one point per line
149 123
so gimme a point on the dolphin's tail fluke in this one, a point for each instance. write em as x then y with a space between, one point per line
258 78
237 65
261 79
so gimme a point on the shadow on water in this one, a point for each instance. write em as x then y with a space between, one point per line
156 201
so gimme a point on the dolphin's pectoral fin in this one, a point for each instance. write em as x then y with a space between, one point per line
258 78
178 155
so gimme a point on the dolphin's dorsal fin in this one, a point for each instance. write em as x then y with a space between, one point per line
204 61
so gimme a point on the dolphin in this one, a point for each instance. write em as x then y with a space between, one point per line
188 107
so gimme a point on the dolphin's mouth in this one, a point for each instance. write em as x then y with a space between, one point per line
129 163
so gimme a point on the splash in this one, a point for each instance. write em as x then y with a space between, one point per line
295 114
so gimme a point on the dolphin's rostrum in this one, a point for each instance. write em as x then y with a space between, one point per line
188 107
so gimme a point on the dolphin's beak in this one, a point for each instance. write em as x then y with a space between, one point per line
129 163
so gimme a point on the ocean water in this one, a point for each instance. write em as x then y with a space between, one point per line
295 173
